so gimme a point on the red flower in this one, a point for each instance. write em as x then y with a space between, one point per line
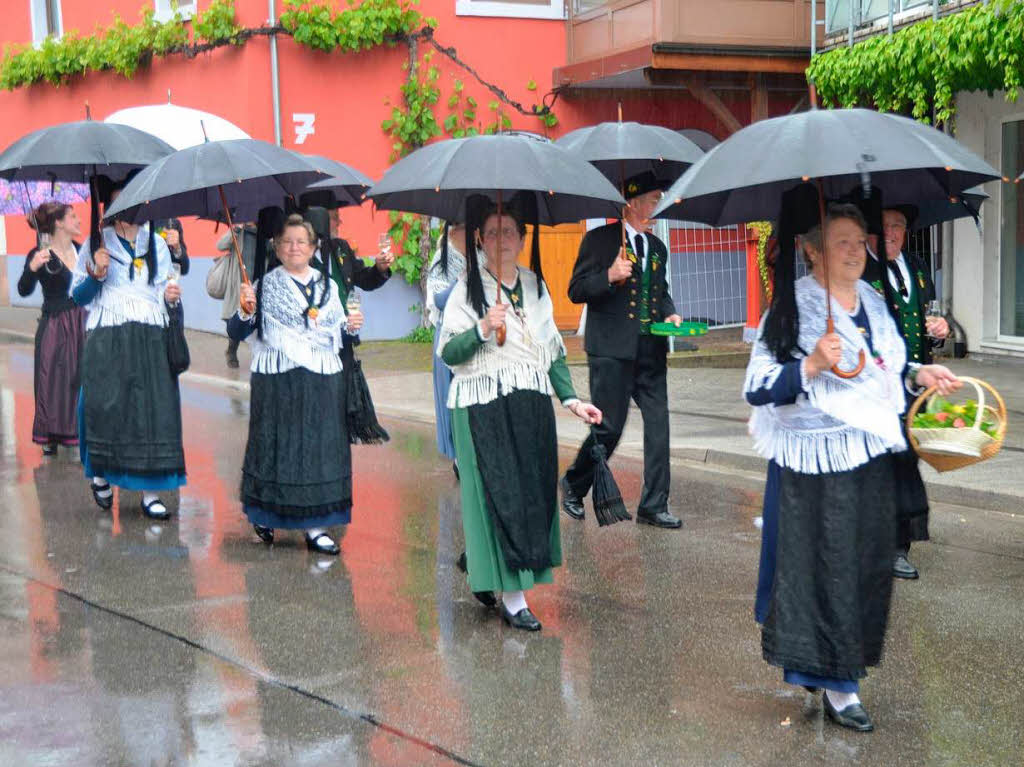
959 423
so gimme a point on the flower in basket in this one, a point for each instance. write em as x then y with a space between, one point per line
942 414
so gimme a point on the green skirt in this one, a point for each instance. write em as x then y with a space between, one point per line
485 562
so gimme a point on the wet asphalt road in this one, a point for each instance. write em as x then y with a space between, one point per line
127 642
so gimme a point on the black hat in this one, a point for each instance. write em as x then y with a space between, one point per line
642 183
871 207
909 212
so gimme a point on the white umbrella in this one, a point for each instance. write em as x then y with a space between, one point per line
180 127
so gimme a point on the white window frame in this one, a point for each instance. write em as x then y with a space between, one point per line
165 11
553 9
39 35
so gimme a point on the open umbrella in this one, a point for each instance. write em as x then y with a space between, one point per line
931 212
551 183
179 126
346 185
216 180
79 152
24 196
743 178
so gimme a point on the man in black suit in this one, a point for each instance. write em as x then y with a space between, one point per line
626 290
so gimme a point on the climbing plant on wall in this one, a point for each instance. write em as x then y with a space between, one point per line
920 68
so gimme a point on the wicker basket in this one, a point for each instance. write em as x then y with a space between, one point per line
948 449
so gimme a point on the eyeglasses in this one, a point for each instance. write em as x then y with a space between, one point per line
507 233
289 244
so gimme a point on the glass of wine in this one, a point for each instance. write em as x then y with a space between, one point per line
384 243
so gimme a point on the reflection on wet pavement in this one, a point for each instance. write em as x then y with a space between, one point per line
128 642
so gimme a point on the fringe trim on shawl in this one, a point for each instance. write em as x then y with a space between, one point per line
115 306
481 388
282 349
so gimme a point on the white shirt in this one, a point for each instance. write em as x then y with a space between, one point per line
901 264
631 234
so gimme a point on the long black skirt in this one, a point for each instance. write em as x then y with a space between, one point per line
517 454
131 408
297 472
833 575
58 351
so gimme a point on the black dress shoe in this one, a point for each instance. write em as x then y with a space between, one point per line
486 598
50 449
322 544
455 468
662 519
155 509
901 568
523 619
105 502
266 534
853 716
572 504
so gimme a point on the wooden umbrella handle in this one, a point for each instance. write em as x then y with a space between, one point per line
861 359
248 307
499 332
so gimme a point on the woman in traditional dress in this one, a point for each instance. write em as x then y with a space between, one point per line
130 407
829 530
445 269
297 472
502 418
61 330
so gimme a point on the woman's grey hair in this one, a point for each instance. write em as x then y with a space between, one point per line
297 220
834 212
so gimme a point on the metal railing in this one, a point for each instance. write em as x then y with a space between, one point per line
850 15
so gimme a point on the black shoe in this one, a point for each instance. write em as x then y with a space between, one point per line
662 519
322 544
50 449
266 534
572 504
853 716
901 568
486 598
523 619
811 689
155 509
232 359
455 468
104 503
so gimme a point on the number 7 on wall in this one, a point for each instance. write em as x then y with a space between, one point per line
303 125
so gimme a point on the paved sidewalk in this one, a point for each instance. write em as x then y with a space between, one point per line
707 413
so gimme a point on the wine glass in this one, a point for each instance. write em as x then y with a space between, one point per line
384 243
174 276
353 302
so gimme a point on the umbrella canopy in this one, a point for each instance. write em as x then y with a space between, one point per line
931 212
25 196
346 185
77 150
437 179
178 126
743 178
245 173
621 150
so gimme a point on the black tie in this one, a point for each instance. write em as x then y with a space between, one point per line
895 269
640 250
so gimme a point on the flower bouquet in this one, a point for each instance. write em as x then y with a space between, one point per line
949 436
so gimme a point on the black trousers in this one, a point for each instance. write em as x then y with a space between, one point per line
613 383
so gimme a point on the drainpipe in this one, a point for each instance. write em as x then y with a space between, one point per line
275 82
814 31
849 39
890 16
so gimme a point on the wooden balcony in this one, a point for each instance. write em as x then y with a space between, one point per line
610 39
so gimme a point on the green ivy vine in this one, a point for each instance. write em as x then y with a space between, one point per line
920 68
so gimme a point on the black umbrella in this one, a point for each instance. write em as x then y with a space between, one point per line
345 185
931 212
621 150
215 180
79 152
744 178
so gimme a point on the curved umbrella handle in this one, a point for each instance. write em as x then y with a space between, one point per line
861 361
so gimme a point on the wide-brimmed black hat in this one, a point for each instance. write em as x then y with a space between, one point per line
642 183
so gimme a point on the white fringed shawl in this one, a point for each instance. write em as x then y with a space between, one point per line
122 299
522 363
438 280
837 424
287 343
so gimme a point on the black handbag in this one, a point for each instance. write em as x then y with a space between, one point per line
177 347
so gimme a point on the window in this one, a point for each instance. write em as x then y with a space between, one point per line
523 9
46 20
1011 235
165 9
